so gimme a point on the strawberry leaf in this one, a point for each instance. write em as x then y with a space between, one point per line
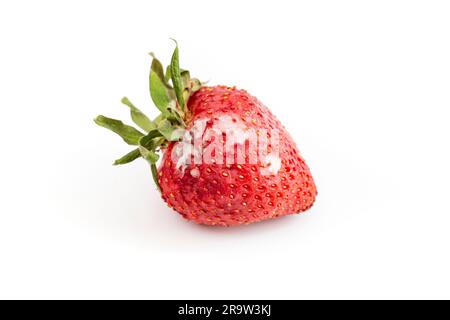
149 155
195 85
170 132
129 134
186 78
176 77
148 141
175 115
168 75
139 118
133 155
159 90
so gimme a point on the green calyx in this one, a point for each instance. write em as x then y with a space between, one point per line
170 90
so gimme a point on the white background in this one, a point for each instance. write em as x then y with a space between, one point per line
363 87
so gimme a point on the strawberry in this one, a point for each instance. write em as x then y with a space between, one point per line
226 159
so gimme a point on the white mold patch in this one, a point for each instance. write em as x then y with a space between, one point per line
273 164
195 173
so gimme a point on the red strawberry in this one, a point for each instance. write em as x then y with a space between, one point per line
221 172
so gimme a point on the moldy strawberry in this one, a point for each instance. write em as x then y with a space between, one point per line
215 169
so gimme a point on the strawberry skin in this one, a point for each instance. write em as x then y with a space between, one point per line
230 195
